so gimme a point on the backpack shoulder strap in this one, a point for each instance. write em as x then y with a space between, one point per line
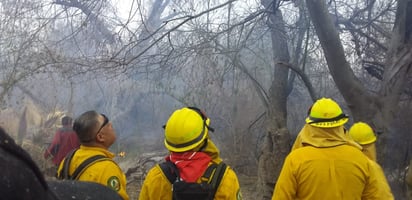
213 174
216 171
64 172
210 170
170 171
85 164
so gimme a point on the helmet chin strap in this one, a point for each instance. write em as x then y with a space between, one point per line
204 145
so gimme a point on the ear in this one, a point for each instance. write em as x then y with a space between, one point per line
100 137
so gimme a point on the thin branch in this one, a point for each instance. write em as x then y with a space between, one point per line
188 18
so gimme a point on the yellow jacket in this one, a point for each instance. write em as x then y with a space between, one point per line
319 137
105 172
409 180
325 164
370 151
157 187
385 190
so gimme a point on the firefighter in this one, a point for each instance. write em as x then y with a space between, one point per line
325 163
191 151
363 134
93 161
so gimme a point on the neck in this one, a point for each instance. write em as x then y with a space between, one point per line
95 144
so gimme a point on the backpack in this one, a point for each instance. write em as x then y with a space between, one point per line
64 173
205 190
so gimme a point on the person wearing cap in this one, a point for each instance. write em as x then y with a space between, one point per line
191 151
96 135
324 162
364 135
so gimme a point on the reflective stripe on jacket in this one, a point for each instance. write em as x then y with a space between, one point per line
105 172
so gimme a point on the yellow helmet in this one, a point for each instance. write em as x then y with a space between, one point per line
326 113
362 133
186 129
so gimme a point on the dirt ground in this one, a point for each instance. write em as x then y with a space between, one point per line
248 186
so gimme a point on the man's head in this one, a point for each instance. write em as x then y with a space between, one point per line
326 113
186 129
66 121
94 129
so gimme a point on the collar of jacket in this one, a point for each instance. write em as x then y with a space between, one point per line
323 137
212 151
98 150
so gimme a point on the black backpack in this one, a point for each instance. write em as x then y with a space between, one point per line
205 190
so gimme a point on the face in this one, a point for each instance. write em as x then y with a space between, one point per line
106 133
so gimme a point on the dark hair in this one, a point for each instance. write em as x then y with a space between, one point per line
66 120
85 126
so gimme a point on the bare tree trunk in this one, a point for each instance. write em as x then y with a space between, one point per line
362 104
70 103
378 110
22 130
277 140
397 69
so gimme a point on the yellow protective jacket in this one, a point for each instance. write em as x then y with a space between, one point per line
321 137
370 151
408 180
325 164
157 187
105 172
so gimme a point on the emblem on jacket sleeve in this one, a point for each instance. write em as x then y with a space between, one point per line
114 183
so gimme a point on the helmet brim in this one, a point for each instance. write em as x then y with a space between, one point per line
328 124
368 141
185 148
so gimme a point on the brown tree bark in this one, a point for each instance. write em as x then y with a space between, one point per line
378 110
276 142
